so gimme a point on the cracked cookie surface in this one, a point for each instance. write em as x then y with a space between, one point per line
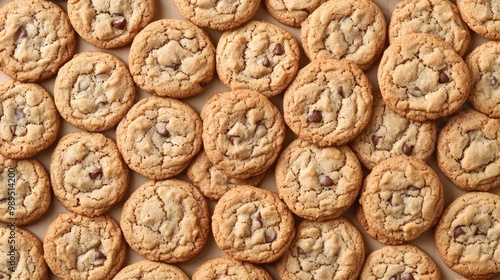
218 14
484 67
159 136
352 30
172 58
291 12
225 267
149 270
242 132
318 183
422 78
337 106
389 134
87 173
166 221
481 16
29 121
36 39
79 247
400 199
252 224
94 90
110 24
257 56
25 192
468 151
400 262
467 235
440 18
332 249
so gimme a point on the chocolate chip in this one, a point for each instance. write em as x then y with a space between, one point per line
493 82
270 235
300 251
232 138
163 132
407 276
376 139
458 231
266 62
443 78
119 23
1 276
315 117
258 218
408 149
479 232
99 255
340 91
22 33
395 277
13 129
96 173
412 188
279 50
20 113
325 181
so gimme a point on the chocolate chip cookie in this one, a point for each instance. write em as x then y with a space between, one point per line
483 17
149 270
291 13
225 267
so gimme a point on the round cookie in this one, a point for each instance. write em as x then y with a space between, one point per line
483 17
389 134
218 15
110 24
149 270
242 132
212 182
29 121
437 17
291 13
36 39
93 91
25 192
172 58
166 221
87 173
468 151
79 247
422 78
252 224
484 67
331 249
403 262
21 254
337 106
352 30
159 136
467 235
257 56
227 268
400 199
318 183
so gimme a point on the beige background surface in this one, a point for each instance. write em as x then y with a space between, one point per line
166 9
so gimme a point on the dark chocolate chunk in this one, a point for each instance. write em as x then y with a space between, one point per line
412 188
20 113
408 149
99 255
407 276
163 132
279 50
96 173
22 33
13 129
270 235
300 251
493 82
458 231
315 117
258 218
325 181
266 62
479 232
443 78
375 139
119 23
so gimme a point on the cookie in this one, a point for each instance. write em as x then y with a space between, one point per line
318 183
36 39
337 106
87 173
482 17
242 132
225 267
421 77
401 198
25 192
291 13
158 137
218 15
79 247
172 58
110 24
467 235
437 17
352 30
332 249
252 224
211 181
389 134
484 68
166 221
468 151
257 56
29 121
149 270
403 262
93 91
